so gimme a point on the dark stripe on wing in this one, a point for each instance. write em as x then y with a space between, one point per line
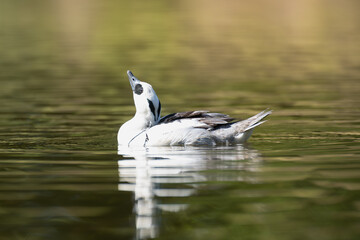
210 120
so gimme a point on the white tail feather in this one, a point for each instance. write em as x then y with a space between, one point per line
255 121
242 130
255 125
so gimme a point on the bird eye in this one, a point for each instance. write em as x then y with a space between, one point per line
138 89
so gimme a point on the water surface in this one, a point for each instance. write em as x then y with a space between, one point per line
64 93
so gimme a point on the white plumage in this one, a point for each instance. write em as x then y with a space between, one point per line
146 128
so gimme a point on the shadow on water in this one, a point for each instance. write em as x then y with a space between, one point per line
158 173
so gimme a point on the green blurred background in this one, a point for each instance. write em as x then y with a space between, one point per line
64 93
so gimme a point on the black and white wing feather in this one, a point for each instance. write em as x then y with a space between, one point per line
209 120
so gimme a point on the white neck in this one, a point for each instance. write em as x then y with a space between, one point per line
134 126
143 120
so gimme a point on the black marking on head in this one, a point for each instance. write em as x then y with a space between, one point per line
159 110
138 89
152 108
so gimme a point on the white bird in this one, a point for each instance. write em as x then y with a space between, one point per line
147 128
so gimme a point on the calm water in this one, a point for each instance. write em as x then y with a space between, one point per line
64 93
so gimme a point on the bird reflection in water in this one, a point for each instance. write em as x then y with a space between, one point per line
149 173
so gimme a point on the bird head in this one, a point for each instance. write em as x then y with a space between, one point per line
146 101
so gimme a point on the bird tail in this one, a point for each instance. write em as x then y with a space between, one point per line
240 131
255 120
245 128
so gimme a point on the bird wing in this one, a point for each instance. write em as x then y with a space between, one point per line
209 120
